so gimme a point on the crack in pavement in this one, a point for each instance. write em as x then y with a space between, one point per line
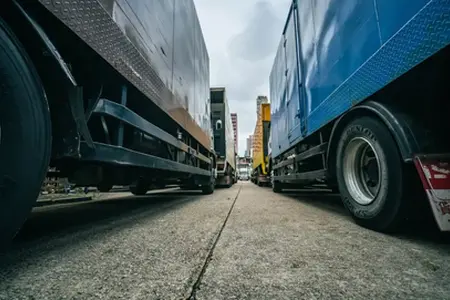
208 259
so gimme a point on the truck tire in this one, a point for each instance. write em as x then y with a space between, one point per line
371 175
104 187
230 184
25 135
208 189
259 183
277 187
140 188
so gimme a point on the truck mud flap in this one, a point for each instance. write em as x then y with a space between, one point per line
434 171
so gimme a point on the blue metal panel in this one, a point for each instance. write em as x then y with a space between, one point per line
308 53
346 36
292 79
423 35
352 48
278 101
392 15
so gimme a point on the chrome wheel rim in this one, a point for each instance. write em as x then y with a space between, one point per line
362 173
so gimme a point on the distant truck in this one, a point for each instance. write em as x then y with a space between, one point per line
359 101
223 138
260 174
244 168
107 92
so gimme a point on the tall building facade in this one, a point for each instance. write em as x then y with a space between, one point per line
234 120
260 100
248 151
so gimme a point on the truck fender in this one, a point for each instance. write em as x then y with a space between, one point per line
48 44
408 135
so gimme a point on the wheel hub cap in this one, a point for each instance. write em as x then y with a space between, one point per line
362 170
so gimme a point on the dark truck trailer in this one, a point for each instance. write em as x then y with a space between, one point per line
107 92
223 138
359 101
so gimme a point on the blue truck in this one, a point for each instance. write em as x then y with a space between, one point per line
359 101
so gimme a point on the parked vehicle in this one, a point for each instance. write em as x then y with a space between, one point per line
359 100
244 168
223 138
260 174
269 158
105 93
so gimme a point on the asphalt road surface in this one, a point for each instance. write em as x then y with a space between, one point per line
239 243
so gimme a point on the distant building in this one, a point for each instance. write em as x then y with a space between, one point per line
248 151
234 120
260 100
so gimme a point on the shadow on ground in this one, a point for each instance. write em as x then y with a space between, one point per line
47 223
421 229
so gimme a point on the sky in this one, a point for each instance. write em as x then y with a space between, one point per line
242 37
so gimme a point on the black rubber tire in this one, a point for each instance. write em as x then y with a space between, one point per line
229 185
25 141
160 186
104 187
277 187
209 188
259 183
389 208
140 188
334 189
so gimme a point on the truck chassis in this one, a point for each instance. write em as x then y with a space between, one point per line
86 107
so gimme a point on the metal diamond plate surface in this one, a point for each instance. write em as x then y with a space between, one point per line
424 35
141 46
350 49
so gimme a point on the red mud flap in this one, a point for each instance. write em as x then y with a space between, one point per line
434 171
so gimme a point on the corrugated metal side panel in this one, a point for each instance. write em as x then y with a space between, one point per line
277 84
373 49
349 50
146 41
202 83
292 79
346 35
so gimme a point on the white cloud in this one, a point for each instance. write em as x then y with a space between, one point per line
242 38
